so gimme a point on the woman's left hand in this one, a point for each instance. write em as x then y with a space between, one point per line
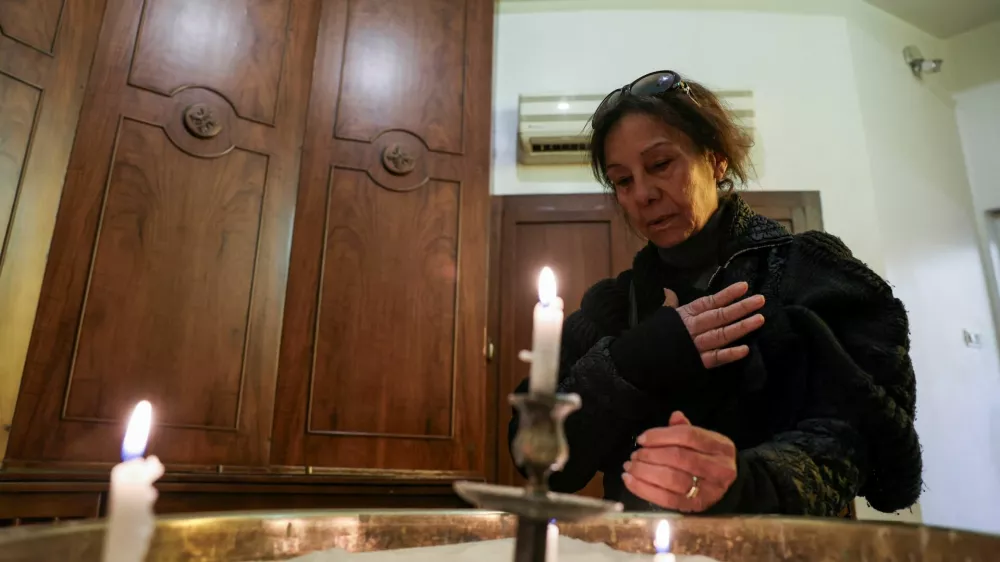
681 467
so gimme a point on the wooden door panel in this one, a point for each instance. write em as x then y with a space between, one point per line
579 254
32 23
583 239
390 266
46 50
382 364
798 211
18 113
177 233
235 47
167 267
413 82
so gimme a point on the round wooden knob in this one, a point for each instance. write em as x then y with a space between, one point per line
200 121
398 160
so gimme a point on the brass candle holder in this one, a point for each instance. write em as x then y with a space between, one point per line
539 448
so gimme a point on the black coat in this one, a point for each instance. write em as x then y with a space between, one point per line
821 411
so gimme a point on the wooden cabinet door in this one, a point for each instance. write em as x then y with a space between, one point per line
166 274
46 48
584 239
382 364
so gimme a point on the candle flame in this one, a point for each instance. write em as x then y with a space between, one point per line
661 541
546 286
137 433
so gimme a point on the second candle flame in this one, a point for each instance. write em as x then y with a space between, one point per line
137 433
661 540
546 286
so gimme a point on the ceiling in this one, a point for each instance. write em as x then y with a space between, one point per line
943 18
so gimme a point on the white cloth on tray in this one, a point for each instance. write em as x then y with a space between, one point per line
570 550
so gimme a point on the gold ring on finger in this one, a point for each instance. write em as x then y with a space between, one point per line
693 492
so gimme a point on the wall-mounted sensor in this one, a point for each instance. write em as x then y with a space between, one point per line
918 64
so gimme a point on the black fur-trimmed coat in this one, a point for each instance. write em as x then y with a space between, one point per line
821 411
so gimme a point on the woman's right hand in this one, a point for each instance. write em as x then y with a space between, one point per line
718 320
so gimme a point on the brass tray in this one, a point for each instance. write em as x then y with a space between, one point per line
279 536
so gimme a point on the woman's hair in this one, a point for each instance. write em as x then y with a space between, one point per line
700 115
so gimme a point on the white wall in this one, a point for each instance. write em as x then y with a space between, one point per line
838 112
924 205
807 109
979 123
978 113
975 74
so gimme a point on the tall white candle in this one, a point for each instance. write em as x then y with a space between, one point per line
661 542
552 543
130 507
547 330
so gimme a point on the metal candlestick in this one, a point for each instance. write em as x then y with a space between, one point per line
539 448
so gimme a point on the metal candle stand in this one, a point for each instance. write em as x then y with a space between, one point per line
539 448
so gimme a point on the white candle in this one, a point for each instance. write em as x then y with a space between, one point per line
661 542
552 543
547 330
130 507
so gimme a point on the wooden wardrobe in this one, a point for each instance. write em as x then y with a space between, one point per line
267 217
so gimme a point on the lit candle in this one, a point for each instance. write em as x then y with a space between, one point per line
661 542
552 543
547 330
130 506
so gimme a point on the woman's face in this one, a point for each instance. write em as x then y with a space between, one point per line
665 185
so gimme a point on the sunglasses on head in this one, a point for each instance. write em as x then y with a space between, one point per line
652 84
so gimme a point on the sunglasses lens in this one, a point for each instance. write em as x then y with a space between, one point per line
655 83
651 85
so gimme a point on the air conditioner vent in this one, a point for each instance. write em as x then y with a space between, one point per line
555 129
561 147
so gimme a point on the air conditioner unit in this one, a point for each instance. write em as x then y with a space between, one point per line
555 129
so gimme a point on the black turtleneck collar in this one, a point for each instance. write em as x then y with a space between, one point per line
702 249
737 228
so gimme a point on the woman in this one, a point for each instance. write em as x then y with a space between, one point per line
736 368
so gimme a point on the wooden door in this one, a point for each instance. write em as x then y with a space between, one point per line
382 367
584 239
46 48
166 275
798 211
